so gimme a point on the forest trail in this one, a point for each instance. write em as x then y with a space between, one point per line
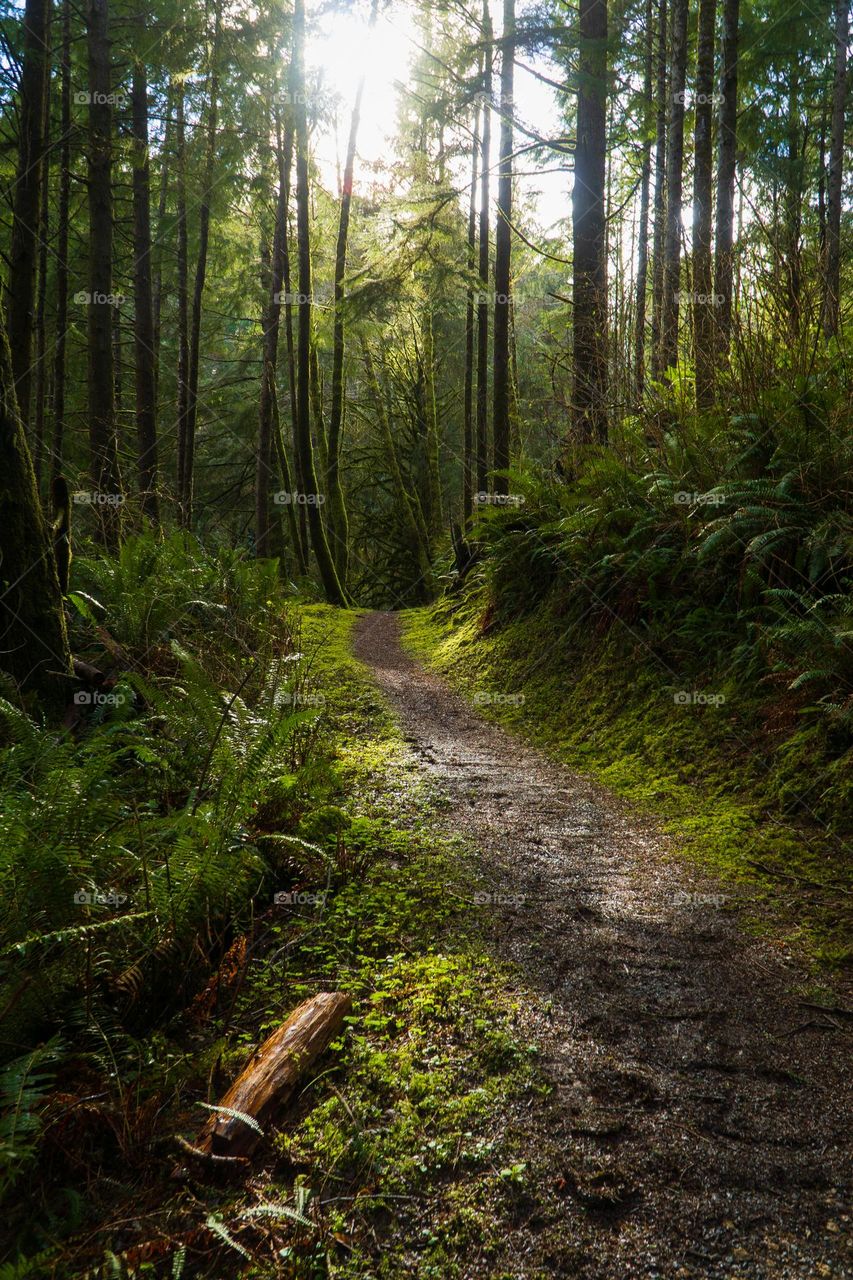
701 1111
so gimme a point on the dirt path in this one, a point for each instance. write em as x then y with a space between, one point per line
701 1113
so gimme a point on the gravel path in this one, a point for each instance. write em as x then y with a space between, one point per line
701 1114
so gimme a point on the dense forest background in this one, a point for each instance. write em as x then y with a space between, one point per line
565 346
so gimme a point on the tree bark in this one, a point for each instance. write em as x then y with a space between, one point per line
146 402
101 377
33 640
469 464
503 250
643 230
483 297
183 290
674 185
726 162
32 109
703 299
41 365
325 562
273 1072
659 215
836 164
589 404
187 428
63 220
268 409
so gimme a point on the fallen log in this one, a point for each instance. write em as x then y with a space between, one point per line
271 1075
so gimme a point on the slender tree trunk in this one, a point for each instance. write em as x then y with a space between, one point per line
503 250
63 219
674 184
268 411
285 162
589 408
469 464
183 290
793 207
483 297
836 162
661 116
325 562
146 395
41 365
101 379
703 299
35 72
157 256
726 162
33 641
188 426
643 230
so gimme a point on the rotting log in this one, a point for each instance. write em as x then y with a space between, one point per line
271 1075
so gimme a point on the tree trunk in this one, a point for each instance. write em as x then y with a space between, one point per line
643 231
337 514
589 407
63 220
33 641
793 208
146 403
183 290
325 562
483 298
268 410
503 250
187 428
703 299
157 257
41 365
267 1082
726 162
674 182
285 162
469 464
659 215
101 380
836 162
35 72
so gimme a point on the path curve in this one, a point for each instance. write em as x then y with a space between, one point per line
701 1114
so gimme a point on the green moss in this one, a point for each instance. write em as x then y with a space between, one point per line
731 797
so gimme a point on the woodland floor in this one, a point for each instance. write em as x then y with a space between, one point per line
699 1113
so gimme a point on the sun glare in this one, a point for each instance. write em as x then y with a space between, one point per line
345 49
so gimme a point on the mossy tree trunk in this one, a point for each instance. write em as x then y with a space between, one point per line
33 640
